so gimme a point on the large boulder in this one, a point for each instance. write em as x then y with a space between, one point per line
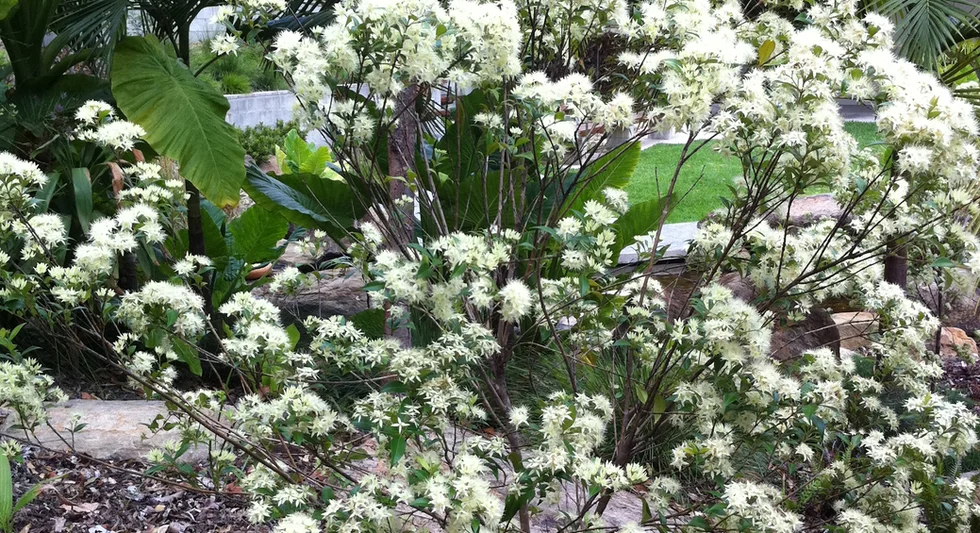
954 342
855 328
114 429
334 292
816 330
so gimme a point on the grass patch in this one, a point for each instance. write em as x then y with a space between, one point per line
657 164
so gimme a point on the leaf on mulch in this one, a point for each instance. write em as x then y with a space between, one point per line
81 507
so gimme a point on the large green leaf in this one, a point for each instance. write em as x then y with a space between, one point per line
184 117
212 224
611 170
83 196
306 200
6 6
299 156
255 235
925 28
642 218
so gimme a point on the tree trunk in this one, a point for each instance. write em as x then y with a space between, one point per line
498 369
195 239
897 264
401 159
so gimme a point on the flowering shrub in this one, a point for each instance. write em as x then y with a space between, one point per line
521 221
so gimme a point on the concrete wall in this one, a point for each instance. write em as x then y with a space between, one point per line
201 28
267 107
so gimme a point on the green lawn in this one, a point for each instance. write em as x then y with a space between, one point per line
657 164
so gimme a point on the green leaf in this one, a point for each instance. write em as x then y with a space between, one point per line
6 6
187 354
611 170
641 392
82 183
300 156
511 505
397 449
212 219
371 322
306 200
294 336
642 218
33 492
765 52
255 235
6 493
699 523
44 196
184 117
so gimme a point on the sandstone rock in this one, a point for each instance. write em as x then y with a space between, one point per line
295 255
855 328
336 292
623 508
954 342
270 166
742 288
114 430
807 210
817 330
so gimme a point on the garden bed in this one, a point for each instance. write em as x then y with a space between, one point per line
97 497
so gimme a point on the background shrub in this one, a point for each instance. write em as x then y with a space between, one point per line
260 141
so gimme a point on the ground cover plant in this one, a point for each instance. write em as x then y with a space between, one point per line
472 181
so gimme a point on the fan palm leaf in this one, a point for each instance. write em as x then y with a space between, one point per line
924 29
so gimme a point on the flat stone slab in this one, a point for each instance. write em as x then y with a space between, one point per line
677 237
813 208
114 429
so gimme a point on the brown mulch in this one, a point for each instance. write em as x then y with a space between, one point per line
95 498
963 376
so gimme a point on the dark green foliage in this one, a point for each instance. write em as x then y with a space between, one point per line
260 141
246 72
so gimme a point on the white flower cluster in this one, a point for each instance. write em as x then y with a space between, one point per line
417 41
99 124
471 261
18 181
24 389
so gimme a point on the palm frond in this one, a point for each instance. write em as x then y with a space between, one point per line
94 25
961 64
924 29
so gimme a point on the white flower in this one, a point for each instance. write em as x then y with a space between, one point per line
519 416
225 44
618 199
93 111
259 512
222 14
297 523
515 300
569 227
120 135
